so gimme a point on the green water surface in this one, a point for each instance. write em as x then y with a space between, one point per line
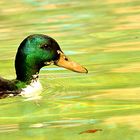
103 36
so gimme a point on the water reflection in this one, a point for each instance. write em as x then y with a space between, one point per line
101 35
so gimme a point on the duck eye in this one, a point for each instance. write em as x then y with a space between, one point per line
45 46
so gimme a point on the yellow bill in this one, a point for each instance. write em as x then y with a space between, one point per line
65 62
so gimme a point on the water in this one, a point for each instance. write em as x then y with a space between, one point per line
101 35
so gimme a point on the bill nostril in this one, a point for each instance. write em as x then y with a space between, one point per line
66 59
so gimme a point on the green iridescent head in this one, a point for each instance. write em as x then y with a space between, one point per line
37 51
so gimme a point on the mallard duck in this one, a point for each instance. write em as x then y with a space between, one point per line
35 52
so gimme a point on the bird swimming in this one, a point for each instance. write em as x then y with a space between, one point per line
35 52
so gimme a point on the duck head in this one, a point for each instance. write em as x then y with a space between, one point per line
37 51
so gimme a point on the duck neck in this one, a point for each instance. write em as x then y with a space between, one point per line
25 70
26 74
